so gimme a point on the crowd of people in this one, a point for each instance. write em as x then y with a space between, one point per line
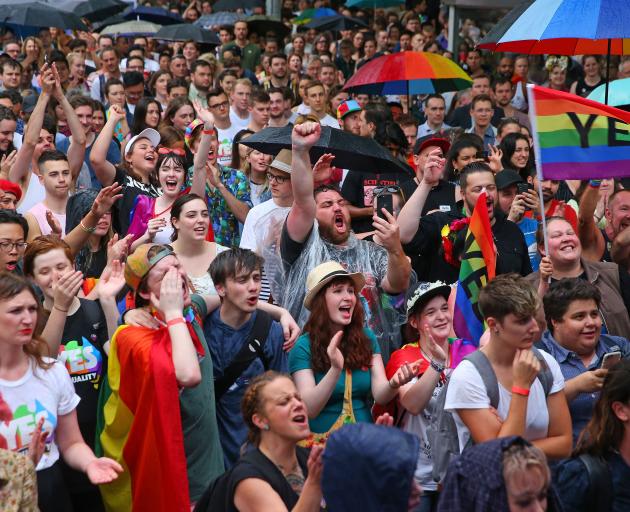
191 323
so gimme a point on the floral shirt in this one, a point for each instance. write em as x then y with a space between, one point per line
224 223
18 483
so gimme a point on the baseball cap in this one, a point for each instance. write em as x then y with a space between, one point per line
506 178
147 133
431 140
348 107
28 103
282 162
140 263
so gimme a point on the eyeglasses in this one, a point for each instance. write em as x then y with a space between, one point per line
278 179
392 189
6 246
225 104
169 151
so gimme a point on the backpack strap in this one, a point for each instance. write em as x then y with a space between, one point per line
253 348
483 366
600 489
544 375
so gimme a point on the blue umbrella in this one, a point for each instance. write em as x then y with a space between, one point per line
618 94
219 18
153 14
564 27
374 4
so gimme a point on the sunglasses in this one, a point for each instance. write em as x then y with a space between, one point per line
169 151
392 189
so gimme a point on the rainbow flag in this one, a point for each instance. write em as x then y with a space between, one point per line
576 138
141 424
478 267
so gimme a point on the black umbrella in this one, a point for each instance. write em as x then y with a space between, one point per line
232 5
153 14
263 24
335 23
38 14
187 32
351 151
93 10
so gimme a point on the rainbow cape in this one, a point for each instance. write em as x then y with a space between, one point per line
141 424
577 138
477 269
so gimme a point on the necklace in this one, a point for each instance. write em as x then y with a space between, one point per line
155 215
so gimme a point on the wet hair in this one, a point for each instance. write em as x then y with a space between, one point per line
227 264
472 168
355 346
564 292
42 245
178 205
13 217
519 458
179 160
605 431
508 293
253 403
11 285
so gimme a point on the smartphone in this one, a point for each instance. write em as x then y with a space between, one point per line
485 155
384 201
611 359
522 188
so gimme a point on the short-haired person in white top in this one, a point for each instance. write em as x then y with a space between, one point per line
509 305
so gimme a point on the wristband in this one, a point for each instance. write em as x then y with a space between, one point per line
86 229
59 309
208 132
520 391
176 321
594 183
437 366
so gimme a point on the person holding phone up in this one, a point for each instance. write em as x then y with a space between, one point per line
575 341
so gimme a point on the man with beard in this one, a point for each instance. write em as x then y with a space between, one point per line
201 79
8 123
349 117
422 235
553 207
277 111
239 101
503 94
317 229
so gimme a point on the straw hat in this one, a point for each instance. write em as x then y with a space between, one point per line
282 162
323 274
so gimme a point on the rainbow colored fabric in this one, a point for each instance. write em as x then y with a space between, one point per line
141 426
577 138
478 267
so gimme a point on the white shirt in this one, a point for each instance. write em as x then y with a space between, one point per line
226 137
253 229
466 390
37 394
149 65
425 129
236 121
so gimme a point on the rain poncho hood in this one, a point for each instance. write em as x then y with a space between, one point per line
369 468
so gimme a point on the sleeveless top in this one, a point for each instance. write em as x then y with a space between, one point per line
203 285
35 193
39 212
606 256
583 89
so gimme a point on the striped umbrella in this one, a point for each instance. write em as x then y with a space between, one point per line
564 27
408 73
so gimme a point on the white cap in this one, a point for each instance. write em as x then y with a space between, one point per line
148 133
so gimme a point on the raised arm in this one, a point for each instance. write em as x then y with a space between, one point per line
302 215
200 172
591 238
409 217
104 170
19 171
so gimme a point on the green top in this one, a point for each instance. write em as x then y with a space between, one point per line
300 359
204 456
250 55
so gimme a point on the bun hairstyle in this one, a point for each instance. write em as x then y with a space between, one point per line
254 403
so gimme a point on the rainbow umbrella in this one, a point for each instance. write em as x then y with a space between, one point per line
408 73
310 14
564 27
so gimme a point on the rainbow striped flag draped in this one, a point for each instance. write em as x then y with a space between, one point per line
478 267
141 425
577 138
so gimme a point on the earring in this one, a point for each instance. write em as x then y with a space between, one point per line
265 427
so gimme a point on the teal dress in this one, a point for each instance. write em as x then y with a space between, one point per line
300 359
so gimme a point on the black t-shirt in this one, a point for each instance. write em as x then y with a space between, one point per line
461 117
290 250
441 197
82 353
358 187
124 206
427 254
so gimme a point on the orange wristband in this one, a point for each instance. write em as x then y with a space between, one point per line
520 391
176 321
